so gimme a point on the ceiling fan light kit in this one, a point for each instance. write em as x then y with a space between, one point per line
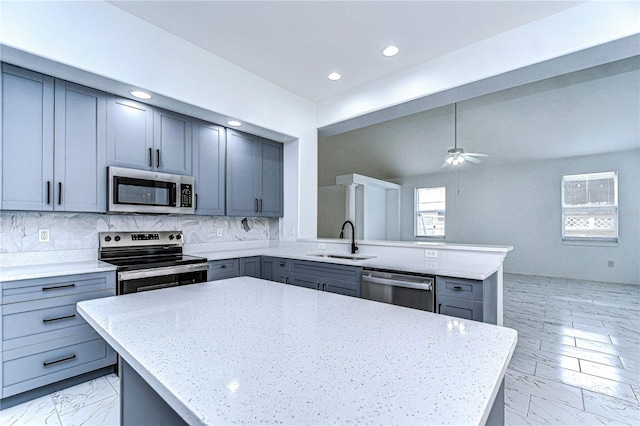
455 155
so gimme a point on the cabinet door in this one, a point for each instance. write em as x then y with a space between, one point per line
27 140
243 174
171 142
209 150
130 134
80 148
268 268
250 267
271 204
461 308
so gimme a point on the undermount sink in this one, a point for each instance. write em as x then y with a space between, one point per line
342 256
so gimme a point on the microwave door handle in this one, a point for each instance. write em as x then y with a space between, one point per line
173 195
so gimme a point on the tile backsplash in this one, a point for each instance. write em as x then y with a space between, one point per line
77 231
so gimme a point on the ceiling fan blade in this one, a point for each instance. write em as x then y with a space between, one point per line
445 164
471 159
476 154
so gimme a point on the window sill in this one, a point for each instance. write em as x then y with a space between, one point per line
590 243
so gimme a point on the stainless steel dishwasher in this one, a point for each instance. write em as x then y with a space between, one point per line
399 288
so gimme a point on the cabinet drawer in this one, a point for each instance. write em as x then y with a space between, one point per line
459 288
221 269
44 288
461 308
42 368
283 264
42 316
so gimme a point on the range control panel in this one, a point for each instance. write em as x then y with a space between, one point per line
138 239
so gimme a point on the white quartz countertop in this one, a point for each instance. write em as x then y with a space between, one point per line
459 268
25 272
245 350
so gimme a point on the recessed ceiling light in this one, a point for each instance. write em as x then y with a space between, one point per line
234 123
390 51
140 94
334 76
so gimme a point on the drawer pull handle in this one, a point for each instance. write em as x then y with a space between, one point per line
48 363
223 266
282 264
439 308
59 318
457 288
58 287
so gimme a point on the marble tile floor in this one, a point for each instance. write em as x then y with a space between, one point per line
577 361
96 402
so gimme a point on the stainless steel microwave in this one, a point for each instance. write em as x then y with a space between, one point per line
142 191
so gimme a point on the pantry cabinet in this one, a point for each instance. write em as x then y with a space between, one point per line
53 144
254 176
209 151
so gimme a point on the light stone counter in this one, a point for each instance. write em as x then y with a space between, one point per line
251 351
24 272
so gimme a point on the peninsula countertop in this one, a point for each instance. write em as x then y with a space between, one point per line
253 351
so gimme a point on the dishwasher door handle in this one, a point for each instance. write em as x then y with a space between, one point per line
395 283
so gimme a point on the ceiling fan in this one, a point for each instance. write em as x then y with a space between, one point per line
457 155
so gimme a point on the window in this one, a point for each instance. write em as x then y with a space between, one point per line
430 210
590 207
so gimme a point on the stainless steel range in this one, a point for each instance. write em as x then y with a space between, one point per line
150 260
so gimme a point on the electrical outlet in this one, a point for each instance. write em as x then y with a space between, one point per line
219 232
431 265
611 263
43 235
321 246
430 253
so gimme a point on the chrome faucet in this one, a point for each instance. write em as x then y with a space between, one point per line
354 247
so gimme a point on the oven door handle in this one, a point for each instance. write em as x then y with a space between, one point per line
427 285
158 272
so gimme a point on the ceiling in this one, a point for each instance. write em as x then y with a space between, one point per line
296 44
589 112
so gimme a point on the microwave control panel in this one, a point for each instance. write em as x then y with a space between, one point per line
186 195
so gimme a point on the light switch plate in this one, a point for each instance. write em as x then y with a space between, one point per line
43 235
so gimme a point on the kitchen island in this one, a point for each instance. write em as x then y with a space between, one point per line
246 350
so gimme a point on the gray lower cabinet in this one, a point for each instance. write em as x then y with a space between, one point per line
250 267
468 299
341 279
209 154
44 339
283 272
222 269
53 144
268 268
254 176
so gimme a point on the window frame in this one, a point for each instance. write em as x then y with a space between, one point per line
585 210
416 213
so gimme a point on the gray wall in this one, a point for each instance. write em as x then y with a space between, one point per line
519 205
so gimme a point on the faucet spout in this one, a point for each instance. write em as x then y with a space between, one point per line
354 247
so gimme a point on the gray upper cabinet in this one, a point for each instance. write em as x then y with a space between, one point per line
53 144
80 148
27 140
130 134
147 138
209 150
172 142
254 176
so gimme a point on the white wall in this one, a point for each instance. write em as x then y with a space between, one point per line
519 205
103 40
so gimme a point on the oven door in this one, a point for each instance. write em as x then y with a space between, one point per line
155 278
